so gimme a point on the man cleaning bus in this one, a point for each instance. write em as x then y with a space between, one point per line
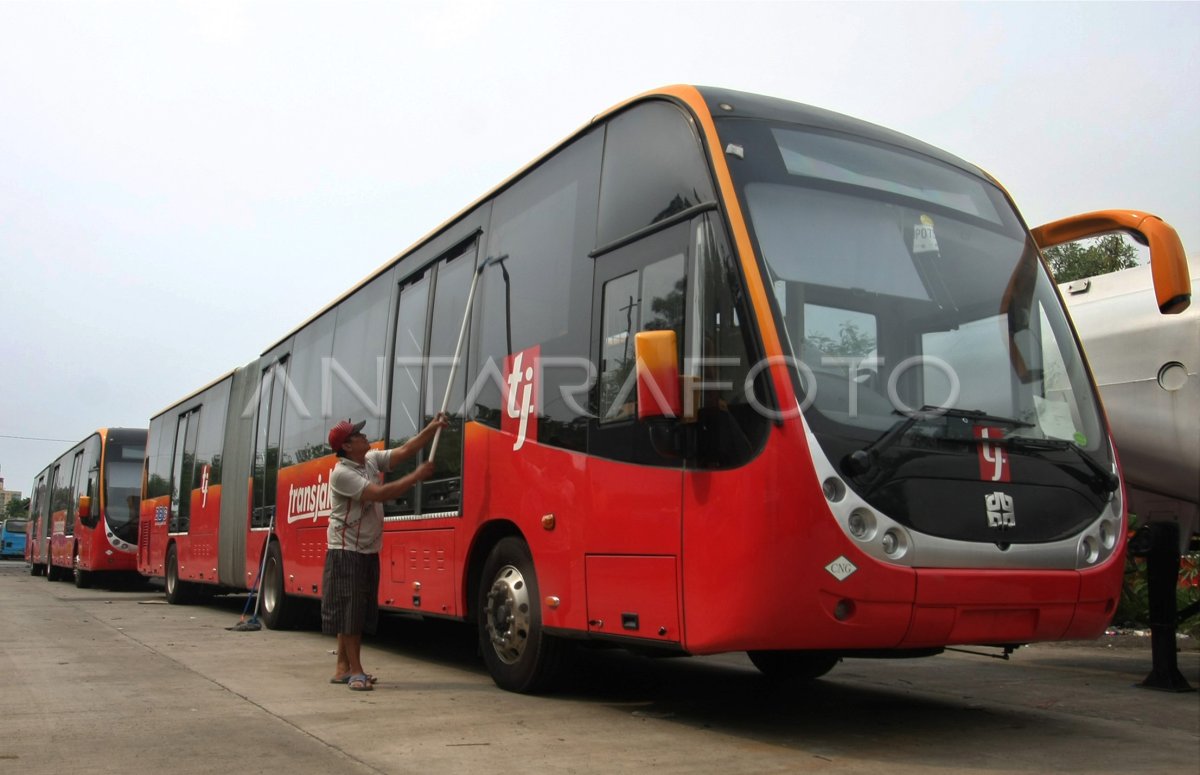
350 582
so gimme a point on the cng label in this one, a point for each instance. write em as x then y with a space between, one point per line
841 568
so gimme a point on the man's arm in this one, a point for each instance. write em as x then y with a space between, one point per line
392 490
410 447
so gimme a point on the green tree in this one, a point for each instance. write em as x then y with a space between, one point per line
1088 258
17 508
851 342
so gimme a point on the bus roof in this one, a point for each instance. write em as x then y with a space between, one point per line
720 102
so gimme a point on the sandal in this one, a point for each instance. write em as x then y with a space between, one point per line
345 679
360 683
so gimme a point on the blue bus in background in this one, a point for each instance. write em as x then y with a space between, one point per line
12 538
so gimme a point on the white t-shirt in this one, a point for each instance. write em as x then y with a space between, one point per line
351 526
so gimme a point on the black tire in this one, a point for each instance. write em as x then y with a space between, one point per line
178 592
83 578
518 653
793 666
36 570
53 572
279 610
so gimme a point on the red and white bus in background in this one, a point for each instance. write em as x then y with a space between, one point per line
84 509
735 374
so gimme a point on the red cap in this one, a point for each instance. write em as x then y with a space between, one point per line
339 433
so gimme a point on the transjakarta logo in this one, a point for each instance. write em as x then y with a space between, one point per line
311 502
521 396
993 460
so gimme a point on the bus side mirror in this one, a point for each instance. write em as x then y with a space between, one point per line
1168 264
85 506
658 393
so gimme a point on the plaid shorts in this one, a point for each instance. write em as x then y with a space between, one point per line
349 593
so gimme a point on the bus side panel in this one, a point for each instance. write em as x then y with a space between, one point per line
767 576
198 549
152 537
523 488
417 571
302 506
62 546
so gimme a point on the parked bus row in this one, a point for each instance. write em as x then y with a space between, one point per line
725 373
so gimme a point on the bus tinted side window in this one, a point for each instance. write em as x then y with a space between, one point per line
158 479
540 293
305 426
357 374
187 431
212 434
731 390
452 283
654 167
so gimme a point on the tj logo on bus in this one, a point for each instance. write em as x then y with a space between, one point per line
521 396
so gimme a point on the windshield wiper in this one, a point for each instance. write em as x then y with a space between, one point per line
1105 481
861 461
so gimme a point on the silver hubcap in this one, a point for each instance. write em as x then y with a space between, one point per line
270 595
508 614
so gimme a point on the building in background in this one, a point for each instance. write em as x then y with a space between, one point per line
6 496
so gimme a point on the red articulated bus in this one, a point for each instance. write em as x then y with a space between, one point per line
83 514
725 373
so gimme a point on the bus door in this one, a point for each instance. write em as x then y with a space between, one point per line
183 462
633 534
35 529
60 494
271 398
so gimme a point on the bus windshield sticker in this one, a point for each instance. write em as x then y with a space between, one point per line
924 238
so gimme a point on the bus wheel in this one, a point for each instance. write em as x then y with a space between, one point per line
83 578
52 572
36 570
178 592
793 666
519 654
279 611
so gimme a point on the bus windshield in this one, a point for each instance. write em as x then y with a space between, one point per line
908 286
123 487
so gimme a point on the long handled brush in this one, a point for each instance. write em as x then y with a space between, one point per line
462 333
252 624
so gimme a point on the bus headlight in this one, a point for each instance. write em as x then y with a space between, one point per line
895 544
834 489
1089 550
1108 534
861 524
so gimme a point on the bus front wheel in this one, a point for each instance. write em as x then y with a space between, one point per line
518 653
793 666
83 578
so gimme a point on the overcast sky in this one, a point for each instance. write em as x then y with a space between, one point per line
181 184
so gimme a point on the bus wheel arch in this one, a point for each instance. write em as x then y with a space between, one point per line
519 654
485 540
